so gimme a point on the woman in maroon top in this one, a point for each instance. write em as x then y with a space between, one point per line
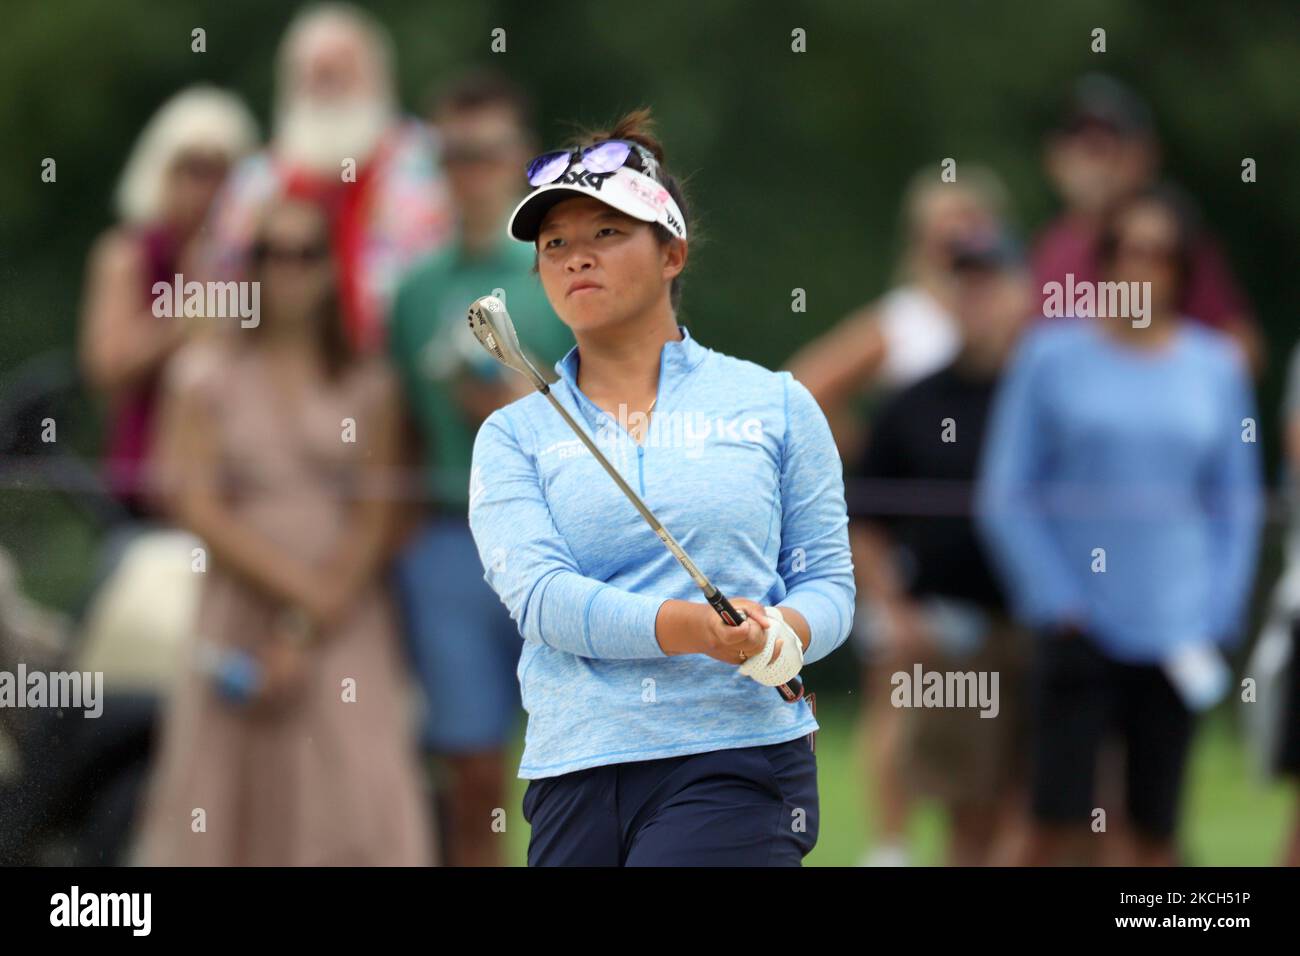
175 169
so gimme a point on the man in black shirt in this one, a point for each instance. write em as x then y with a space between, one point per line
935 615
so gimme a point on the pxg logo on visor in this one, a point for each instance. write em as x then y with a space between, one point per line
619 173
582 177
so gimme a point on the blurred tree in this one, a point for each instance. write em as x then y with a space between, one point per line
795 160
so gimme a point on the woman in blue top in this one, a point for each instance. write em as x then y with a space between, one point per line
1120 495
646 745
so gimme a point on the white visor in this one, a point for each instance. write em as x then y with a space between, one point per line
625 189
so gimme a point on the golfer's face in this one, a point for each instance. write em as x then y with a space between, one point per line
598 266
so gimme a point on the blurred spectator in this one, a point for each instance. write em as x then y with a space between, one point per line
909 332
885 346
339 138
451 386
1104 152
76 800
276 444
1288 755
1120 497
176 168
931 595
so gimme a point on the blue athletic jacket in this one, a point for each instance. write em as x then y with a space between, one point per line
739 465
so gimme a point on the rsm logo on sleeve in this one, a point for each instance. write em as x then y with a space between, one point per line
102 909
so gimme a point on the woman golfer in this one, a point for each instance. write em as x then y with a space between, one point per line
647 744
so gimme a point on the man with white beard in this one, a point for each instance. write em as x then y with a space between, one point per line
339 139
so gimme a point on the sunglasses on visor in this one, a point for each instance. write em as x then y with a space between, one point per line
602 157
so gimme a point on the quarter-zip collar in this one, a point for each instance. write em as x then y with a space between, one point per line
677 358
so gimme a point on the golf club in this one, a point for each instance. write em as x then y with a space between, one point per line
491 325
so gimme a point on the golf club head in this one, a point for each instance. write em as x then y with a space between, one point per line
491 325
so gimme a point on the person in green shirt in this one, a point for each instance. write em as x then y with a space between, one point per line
462 640
451 383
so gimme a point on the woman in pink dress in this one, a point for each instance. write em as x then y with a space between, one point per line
287 740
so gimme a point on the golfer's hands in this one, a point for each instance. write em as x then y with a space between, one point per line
786 660
689 627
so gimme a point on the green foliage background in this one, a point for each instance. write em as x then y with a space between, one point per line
795 163
795 160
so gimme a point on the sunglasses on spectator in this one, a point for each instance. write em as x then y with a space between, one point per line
199 166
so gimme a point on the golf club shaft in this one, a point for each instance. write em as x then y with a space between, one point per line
790 691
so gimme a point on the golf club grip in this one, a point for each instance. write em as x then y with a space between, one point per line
792 690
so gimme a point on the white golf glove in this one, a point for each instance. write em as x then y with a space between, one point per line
784 668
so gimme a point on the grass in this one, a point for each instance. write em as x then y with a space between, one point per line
1230 818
